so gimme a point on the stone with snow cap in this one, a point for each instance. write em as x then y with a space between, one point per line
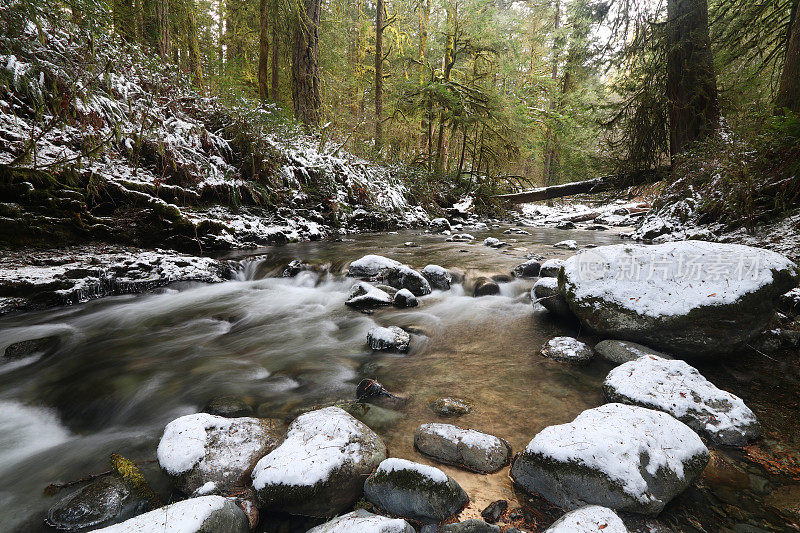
676 388
528 269
467 448
620 456
370 266
365 296
362 521
388 339
589 519
440 224
690 298
203 450
415 491
438 277
494 242
546 293
619 352
568 350
405 277
551 268
404 298
567 245
319 468
195 515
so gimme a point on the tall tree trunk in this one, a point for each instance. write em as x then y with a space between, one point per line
220 35
550 166
691 81
193 44
305 65
788 96
275 70
424 21
263 51
447 67
379 21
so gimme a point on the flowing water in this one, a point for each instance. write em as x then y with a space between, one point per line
125 366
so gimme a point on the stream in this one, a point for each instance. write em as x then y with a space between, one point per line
127 365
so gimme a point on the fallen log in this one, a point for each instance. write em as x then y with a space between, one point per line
595 185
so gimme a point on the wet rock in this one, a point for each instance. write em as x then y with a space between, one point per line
438 277
689 298
104 500
450 407
619 352
485 287
494 511
462 237
318 469
404 298
502 278
410 244
568 350
676 388
551 268
208 453
440 224
620 456
785 500
789 303
469 526
388 339
403 277
545 292
466 448
566 245
295 267
370 266
388 289
414 491
374 416
528 269
364 296
195 515
493 242
565 224
589 519
21 349
363 521
596 227
228 406
368 389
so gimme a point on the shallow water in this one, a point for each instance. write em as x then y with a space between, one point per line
128 365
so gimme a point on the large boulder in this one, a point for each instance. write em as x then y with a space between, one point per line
213 452
107 499
676 388
365 522
319 468
370 266
466 448
439 277
689 298
404 277
415 491
545 292
619 352
197 515
567 350
619 456
589 519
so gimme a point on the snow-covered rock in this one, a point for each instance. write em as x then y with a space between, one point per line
362 521
203 450
196 515
652 228
467 448
528 269
388 339
676 388
404 277
589 519
318 469
440 224
567 245
567 349
689 298
546 292
450 406
551 268
370 266
493 242
404 298
619 352
365 296
414 491
565 224
439 277
619 456
462 237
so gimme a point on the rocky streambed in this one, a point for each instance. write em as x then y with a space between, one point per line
477 408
